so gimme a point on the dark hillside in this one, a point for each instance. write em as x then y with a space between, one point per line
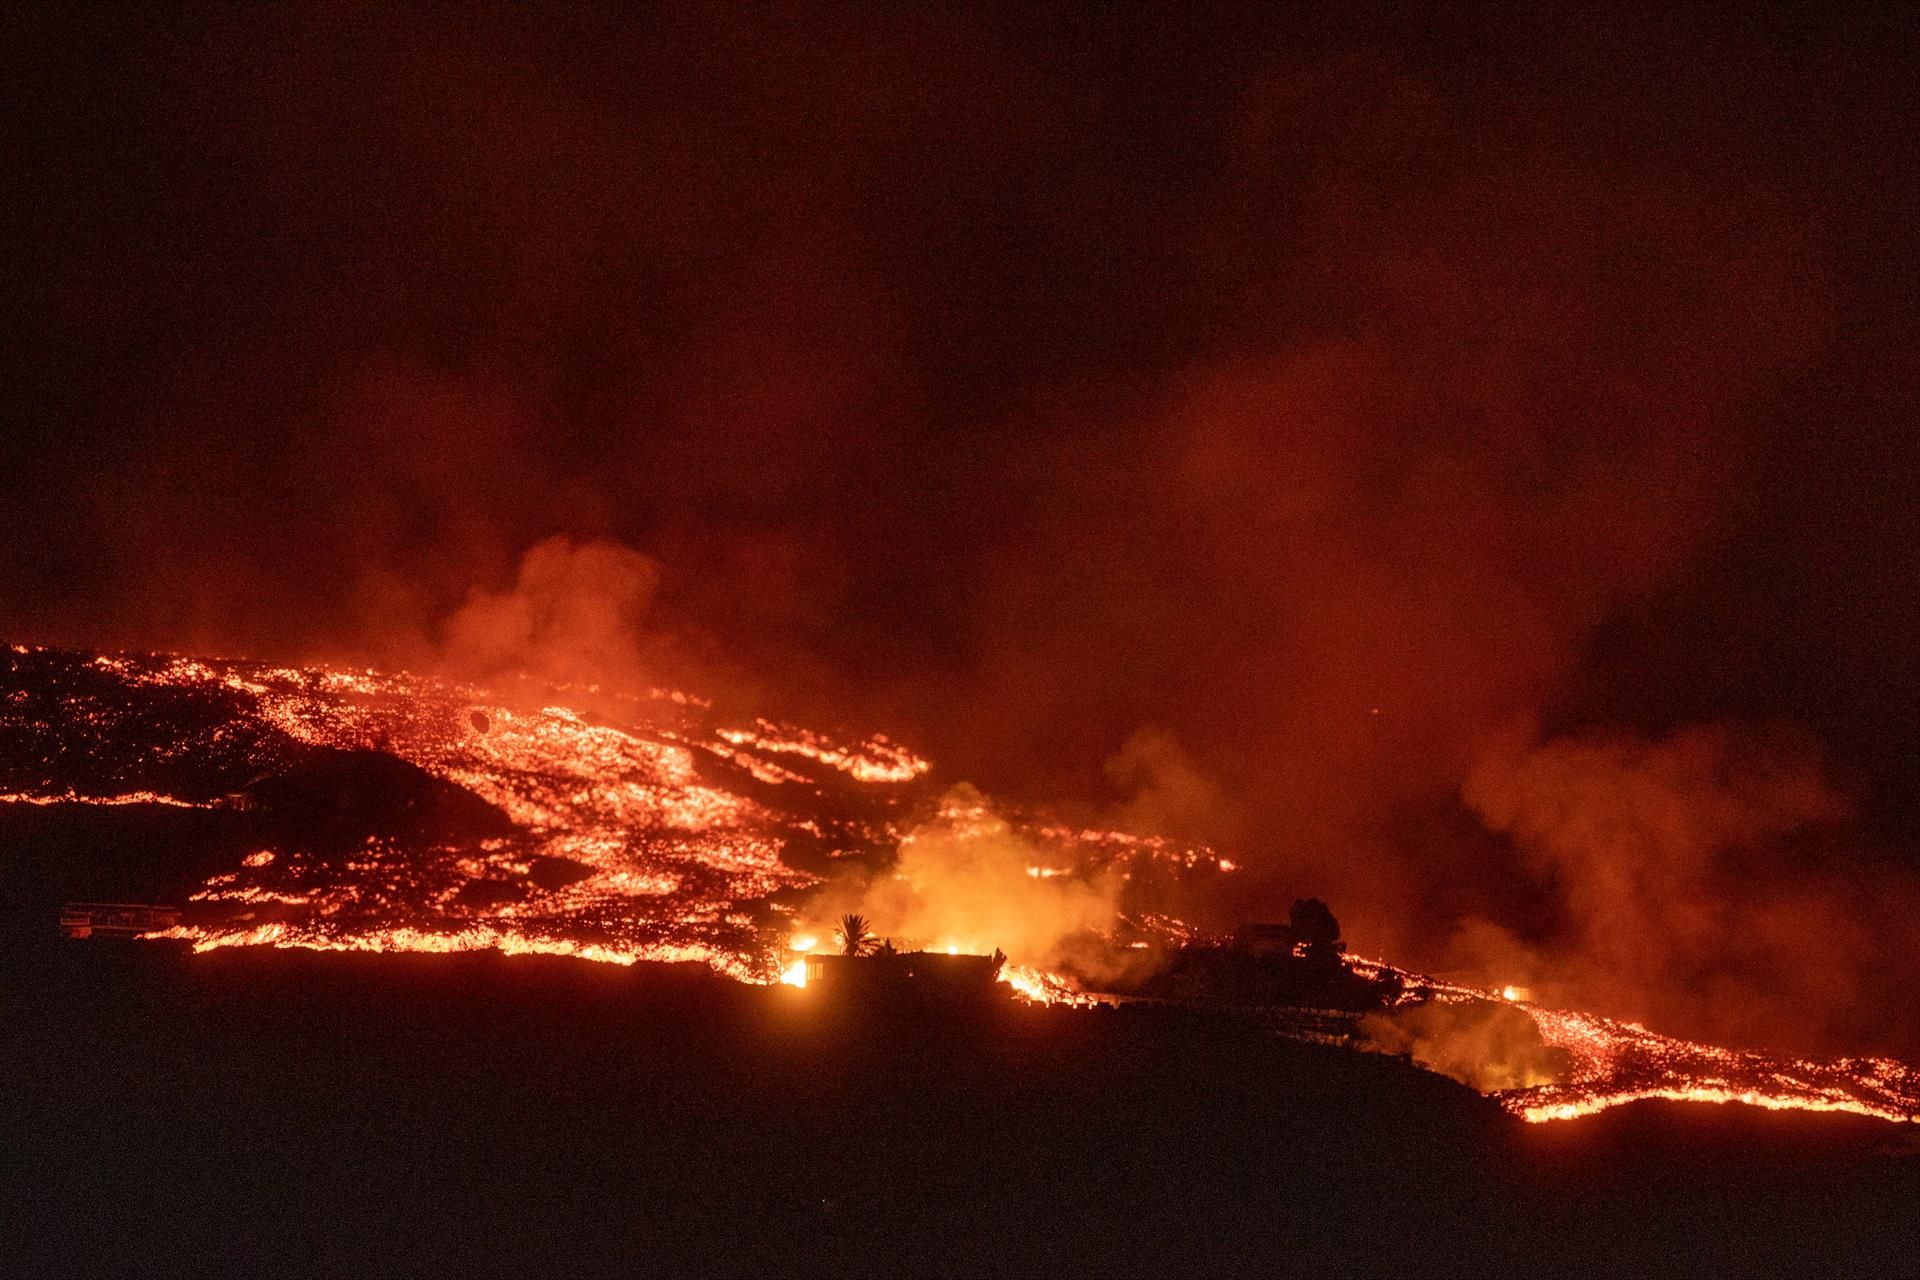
318 1114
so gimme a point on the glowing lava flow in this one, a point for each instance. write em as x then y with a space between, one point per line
1037 986
619 840
653 834
1620 1062
125 797
876 760
1614 1063
476 938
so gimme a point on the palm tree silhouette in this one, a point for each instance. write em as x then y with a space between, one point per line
855 938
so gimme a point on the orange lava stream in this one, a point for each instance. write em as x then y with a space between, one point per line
1620 1062
1615 1063
632 842
1037 986
1700 1093
475 938
70 797
876 760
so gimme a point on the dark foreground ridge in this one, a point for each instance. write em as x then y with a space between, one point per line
282 1112
293 1113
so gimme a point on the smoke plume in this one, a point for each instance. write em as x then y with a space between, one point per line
574 613
1165 790
1485 1044
1226 423
1707 879
966 879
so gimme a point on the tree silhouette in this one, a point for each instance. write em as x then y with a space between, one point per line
1316 933
855 938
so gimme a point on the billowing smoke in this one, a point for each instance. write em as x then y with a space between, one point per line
1483 1044
1165 791
1706 879
573 613
965 878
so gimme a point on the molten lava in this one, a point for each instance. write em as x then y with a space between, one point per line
652 832
1615 1062
647 832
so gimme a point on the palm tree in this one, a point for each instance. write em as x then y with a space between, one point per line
855 938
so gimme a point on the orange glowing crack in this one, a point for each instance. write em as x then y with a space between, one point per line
875 760
130 797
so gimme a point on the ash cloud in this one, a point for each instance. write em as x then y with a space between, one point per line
1221 423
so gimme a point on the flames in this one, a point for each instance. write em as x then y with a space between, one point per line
795 974
654 833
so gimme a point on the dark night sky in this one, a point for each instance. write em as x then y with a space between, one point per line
1408 428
